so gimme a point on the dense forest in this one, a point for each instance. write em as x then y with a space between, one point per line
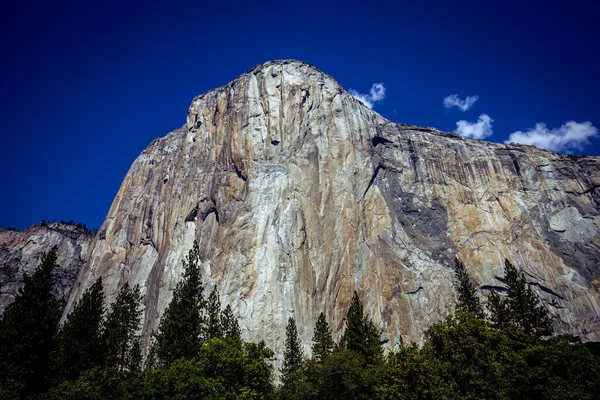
505 350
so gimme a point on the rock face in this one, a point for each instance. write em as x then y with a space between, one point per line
21 253
298 195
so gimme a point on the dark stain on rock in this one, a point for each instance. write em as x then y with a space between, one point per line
582 257
373 177
414 158
378 140
427 225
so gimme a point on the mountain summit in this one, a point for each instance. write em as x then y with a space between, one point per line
299 195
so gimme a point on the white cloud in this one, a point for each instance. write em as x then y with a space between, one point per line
476 130
570 136
463 105
377 93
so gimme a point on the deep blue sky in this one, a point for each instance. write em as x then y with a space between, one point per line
85 88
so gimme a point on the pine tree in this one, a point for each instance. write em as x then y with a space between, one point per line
229 322
361 336
524 305
467 296
28 329
521 306
214 329
120 338
292 355
80 347
323 343
499 311
182 326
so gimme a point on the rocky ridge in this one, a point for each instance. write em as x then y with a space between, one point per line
21 253
298 195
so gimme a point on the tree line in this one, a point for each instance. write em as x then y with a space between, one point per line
78 225
505 350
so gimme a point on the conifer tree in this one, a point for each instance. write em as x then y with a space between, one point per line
183 324
80 347
229 322
521 306
497 305
28 329
292 355
361 336
467 296
120 338
214 328
323 343
524 305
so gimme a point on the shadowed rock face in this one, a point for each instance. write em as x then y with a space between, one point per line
298 195
21 253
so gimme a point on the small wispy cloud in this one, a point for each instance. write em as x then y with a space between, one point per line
476 130
568 137
377 93
463 105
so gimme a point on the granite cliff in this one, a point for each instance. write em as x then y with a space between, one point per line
298 195
21 253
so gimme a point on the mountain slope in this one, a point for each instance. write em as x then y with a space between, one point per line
299 195
21 252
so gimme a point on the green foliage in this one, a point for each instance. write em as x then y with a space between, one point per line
27 332
500 314
349 371
214 328
467 296
521 307
466 358
80 347
120 339
323 343
231 327
243 370
344 374
182 379
561 368
472 355
94 384
11 389
413 374
224 369
292 355
183 324
361 336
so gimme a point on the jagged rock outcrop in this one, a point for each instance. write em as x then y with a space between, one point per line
21 253
299 195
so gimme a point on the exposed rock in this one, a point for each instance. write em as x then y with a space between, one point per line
21 253
299 195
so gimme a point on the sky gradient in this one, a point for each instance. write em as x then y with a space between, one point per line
85 88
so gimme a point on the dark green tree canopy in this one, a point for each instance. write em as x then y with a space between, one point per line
323 343
28 330
231 327
214 326
292 356
182 327
360 335
521 307
120 339
80 346
467 295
